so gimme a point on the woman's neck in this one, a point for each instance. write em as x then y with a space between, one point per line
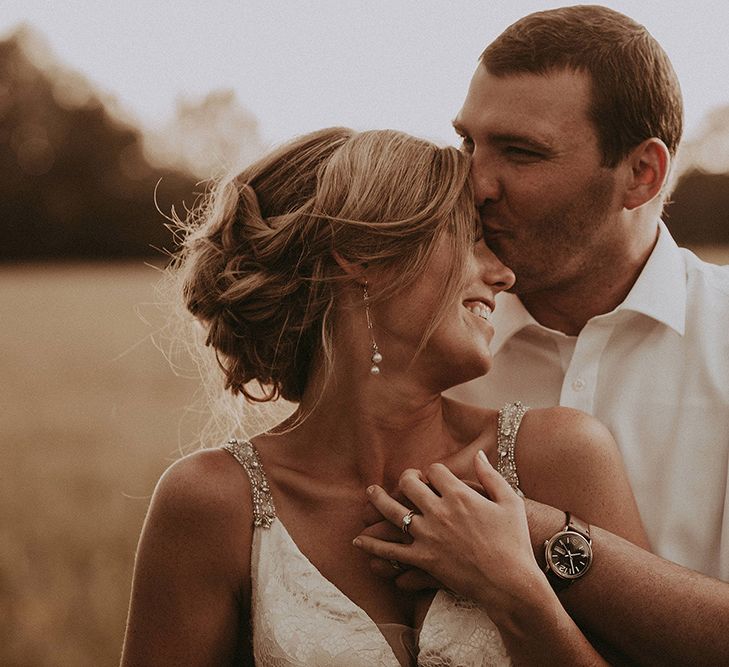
369 431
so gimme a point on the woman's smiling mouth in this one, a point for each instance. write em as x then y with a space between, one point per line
479 308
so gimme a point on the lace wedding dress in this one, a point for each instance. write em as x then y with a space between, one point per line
300 618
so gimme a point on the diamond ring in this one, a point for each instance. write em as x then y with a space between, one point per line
407 520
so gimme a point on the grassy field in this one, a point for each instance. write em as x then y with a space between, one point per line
91 415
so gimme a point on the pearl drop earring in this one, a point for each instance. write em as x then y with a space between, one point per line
376 357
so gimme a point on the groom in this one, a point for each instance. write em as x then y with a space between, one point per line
572 119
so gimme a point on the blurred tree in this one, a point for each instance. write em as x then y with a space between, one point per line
75 180
79 182
208 138
709 151
699 213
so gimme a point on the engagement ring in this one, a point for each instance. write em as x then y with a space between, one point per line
407 520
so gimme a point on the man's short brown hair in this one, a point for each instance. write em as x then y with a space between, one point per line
635 92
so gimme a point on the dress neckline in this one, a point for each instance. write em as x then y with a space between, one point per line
266 521
265 518
436 601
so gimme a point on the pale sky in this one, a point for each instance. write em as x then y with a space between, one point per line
301 65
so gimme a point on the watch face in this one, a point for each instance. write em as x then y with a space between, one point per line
568 555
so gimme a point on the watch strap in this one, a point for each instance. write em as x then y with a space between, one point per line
577 525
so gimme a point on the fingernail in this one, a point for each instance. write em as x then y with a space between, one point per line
482 456
356 541
370 490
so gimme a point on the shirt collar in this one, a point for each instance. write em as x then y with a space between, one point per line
659 293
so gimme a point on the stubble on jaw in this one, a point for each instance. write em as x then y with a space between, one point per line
564 248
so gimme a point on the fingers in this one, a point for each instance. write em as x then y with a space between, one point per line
415 487
384 550
442 479
411 579
384 569
461 462
496 487
371 515
475 486
386 505
384 530
492 485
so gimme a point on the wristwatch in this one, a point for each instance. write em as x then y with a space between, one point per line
568 553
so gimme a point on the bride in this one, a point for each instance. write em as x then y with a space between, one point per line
346 272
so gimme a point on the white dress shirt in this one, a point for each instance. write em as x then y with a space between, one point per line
656 372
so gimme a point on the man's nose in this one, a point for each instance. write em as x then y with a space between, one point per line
486 185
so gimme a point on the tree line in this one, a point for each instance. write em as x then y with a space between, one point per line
77 184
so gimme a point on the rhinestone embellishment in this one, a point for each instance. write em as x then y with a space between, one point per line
508 422
264 511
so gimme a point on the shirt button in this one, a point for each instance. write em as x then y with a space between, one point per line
578 384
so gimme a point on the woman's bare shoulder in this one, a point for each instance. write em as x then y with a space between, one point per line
191 590
204 498
559 430
562 452
209 481
568 459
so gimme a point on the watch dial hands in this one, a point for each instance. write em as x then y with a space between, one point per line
568 553
576 558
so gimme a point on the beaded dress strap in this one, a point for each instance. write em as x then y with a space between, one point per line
508 423
264 511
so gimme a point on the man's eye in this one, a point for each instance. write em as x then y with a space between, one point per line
522 152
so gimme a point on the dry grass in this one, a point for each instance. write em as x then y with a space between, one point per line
91 415
89 419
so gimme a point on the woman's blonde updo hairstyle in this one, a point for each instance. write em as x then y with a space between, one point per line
258 266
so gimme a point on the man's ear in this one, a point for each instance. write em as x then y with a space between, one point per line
355 271
649 163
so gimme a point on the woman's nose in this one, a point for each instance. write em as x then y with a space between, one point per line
495 273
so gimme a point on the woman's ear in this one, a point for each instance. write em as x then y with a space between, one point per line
355 271
649 163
